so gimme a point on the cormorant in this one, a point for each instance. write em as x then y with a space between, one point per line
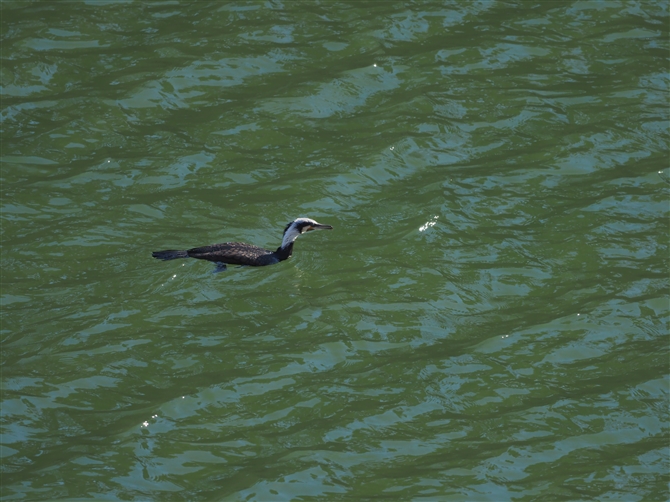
239 253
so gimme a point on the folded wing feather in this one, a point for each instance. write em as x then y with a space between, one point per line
234 253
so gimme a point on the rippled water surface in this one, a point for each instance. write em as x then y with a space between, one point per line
488 320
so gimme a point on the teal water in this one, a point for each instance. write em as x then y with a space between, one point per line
488 320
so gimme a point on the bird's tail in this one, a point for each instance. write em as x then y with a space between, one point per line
169 254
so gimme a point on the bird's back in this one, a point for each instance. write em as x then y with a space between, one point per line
235 253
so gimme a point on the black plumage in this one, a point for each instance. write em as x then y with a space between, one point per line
232 253
240 253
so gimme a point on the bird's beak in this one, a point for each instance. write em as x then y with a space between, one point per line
319 226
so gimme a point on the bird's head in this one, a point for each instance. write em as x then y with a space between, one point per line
300 226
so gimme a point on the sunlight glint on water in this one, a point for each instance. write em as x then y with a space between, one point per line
486 321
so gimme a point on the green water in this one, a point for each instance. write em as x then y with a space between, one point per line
488 320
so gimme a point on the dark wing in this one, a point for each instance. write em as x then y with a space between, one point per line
234 253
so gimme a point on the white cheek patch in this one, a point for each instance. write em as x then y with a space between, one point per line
293 231
291 235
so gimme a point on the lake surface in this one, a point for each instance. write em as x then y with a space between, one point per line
488 319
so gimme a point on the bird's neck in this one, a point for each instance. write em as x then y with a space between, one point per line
290 235
284 252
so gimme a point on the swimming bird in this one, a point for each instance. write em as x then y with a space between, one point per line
240 253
